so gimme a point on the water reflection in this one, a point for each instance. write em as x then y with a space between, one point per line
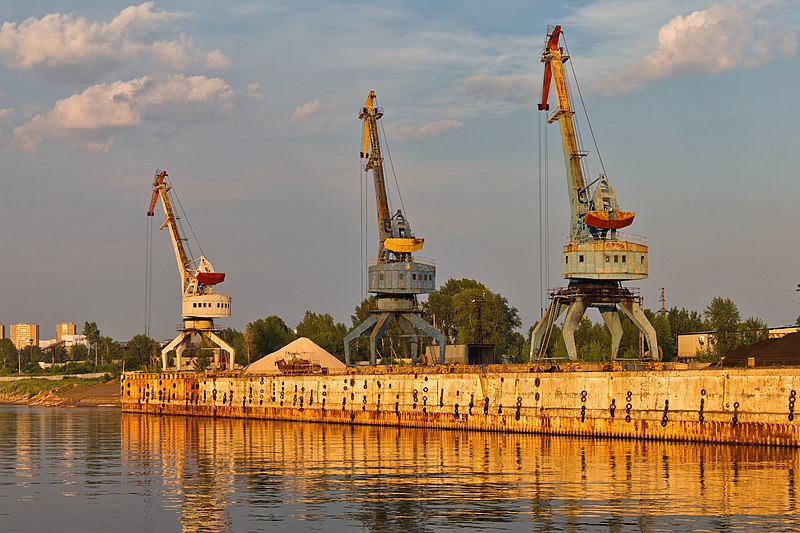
98 470
237 472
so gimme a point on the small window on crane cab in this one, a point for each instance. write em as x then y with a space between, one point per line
616 259
623 258
580 259
608 258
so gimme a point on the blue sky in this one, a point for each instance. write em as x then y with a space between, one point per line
252 109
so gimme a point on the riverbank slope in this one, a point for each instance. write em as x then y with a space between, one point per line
64 393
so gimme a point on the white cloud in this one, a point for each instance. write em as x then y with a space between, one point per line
723 37
306 111
100 147
216 60
487 88
431 129
110 106
254 90
58 43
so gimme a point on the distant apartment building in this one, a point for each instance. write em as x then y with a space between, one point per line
64 328
72 340
24 334
2 331
47 343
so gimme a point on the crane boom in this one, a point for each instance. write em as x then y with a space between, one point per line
576 185
371 151
395 240
160 190
588 214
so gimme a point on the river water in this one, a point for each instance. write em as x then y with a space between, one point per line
95 469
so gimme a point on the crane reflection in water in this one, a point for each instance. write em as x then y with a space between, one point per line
227 472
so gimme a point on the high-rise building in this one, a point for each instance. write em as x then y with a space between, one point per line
24 334
2 331
64 328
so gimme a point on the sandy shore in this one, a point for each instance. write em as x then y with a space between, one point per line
95 394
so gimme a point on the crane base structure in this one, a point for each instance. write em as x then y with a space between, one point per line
204 329
611 299
407 315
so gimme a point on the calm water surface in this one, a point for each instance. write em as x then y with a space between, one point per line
99 470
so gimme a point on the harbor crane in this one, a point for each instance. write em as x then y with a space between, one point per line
201 303
396 277
596 258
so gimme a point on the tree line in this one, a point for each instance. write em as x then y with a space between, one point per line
465 310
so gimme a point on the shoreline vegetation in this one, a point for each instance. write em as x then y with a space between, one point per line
66 392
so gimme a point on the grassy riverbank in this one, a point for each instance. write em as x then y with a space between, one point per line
69 391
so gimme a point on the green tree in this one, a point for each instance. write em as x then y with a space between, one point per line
108 349
753 330
454 310
362 310
324 332
202 361
723 318
268 334
684 321
78 352
30 357
592 340
237 341
8 355
140 351
92 334
666 340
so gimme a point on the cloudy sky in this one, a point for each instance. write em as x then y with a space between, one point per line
252 108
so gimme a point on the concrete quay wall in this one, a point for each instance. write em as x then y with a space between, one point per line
749 406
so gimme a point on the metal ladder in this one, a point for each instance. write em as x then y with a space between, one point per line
548 331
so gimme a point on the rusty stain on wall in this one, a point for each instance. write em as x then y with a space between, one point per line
749 406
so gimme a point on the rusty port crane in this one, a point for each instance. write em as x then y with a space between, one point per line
396 277
201 303
597 257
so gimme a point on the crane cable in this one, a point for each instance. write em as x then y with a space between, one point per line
361 229
583 105
148 277
184 217
391 165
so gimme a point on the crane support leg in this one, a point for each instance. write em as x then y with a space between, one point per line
179 345
575 312
632 310
540 338
356 333
426 328
384 319
614 324
213 338
408 330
